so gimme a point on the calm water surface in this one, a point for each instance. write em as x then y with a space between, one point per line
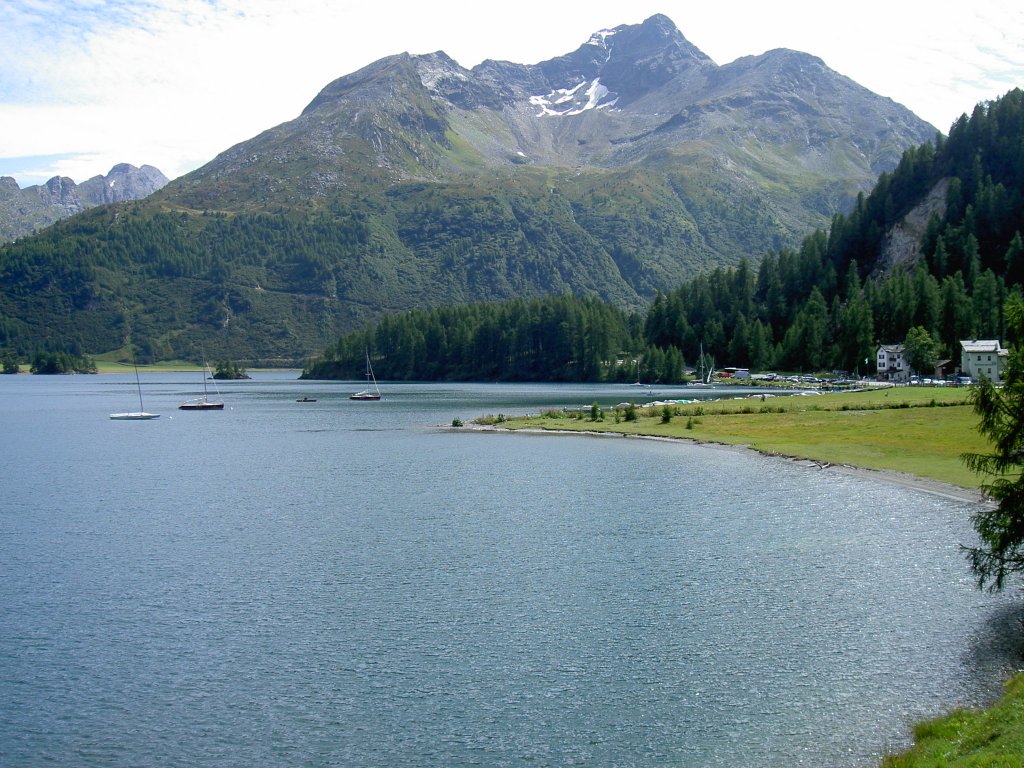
343 584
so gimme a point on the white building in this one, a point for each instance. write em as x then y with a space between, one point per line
890 364
982 357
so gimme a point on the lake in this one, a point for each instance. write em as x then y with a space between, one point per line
340 583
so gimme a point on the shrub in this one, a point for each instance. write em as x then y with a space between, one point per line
489 420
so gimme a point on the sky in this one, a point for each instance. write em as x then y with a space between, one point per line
87 84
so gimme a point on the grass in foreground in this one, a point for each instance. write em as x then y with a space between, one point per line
917 430
993 737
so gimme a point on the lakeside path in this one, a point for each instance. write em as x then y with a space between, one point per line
910 436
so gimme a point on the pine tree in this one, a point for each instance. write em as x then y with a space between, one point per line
1000 552
1014 259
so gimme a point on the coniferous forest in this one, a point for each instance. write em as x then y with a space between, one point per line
825 306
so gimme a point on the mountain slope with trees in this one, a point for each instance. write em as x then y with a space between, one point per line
616 171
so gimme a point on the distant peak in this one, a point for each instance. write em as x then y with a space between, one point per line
662 21
788 54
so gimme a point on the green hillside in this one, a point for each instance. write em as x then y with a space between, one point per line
282 285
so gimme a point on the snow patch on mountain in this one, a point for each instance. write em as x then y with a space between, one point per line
574 101
601 38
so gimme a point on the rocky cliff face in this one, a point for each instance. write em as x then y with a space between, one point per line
902 244
23 211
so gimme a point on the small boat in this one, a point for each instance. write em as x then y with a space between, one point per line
704 380
306 400
368 393
141 414
203 403
134 416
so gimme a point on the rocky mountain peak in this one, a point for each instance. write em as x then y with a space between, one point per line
24 210
621 65
123 182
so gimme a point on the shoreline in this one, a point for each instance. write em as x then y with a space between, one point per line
915 482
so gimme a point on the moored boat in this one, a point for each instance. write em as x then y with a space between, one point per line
141 414
203 403
372 391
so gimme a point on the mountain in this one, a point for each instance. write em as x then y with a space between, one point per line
634 97
23 211
615 171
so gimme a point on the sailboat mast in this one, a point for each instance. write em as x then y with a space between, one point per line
138 384
369 374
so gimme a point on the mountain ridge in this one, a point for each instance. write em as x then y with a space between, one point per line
397 118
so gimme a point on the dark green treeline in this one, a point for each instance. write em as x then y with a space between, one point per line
824 307
557 338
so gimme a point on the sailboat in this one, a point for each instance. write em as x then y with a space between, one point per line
368 394
704 380
203 403
140 414
637 383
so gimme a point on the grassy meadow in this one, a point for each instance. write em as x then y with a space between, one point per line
916 430
112 366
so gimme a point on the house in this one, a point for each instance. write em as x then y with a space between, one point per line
891 365
736 373
982 357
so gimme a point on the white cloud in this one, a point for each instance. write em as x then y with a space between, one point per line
173 82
